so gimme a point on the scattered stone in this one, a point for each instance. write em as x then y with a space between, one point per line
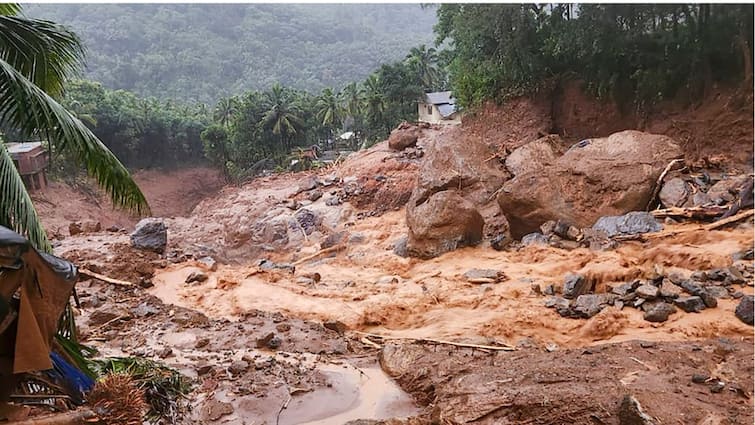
307 185
196 277
700 378
647 344
534 239
74 228
334 239
718 275
333 201
214 409
557 303
314 195
238 367
307 220
150 234
100 317
145 283
91 227
699 276
549 290
536 289
587 306
747 255
573 233
659 312
269 341
204 370
264 362
165 352
387 280
356 239
623 289
403 137
649 292
269 265
631 413
737 295
632 223
336 325
574 286
202 342
717 387
668 290
209 263
717 291
674 193
114 229
282 327
144 310
734 277
478 275
499 242
693 304
399 247
744 310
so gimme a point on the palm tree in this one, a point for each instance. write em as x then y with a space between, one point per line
329 111
225 110
423 61
282 116
36 58
351 100
373 98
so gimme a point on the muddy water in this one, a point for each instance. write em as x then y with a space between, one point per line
355 394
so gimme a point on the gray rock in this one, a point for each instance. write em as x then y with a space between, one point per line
632 223
499 242
697 290
631 413
699 276
589 305
748 255
150 234
659 312
649 292
208 262
534 239
144 310
356 239
475 274
693 304
669 290
333 201
307 219
623 289
674 193
238 367
196 277
701 198
557 302
717 292
744 310
574 286
334 239
336 326
549 290
307 184
399 247
269 265
314 195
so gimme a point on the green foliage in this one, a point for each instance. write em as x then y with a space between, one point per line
143 132
208 51
632 53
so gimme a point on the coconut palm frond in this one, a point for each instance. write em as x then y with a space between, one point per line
9 9
28 108
45 53
16 209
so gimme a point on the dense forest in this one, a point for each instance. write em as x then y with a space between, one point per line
201 52
635 55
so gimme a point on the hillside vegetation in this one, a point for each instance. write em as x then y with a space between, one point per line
205 52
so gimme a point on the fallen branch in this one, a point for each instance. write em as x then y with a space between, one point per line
439 341
710 211
85 272
319 253
367 341
282 408
729 220
481 280
659 182
712 226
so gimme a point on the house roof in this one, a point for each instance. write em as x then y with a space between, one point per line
17 148
440 98
446 110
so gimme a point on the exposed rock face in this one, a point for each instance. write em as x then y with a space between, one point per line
594 178
535 155
442 223
150 234
451 202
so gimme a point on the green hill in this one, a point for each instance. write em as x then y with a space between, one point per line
201 52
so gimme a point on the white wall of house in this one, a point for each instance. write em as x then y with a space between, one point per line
429 113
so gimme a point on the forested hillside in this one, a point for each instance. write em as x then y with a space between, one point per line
205 52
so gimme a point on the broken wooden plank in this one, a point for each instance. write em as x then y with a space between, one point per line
85 272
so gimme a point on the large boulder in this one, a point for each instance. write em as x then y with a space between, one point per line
674 193
535 155
596 177
632 223
443 222
150 234
406 135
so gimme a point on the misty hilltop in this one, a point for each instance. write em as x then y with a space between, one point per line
201 52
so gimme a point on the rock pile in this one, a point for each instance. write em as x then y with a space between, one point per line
660 296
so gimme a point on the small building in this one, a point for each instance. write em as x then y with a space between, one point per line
30 159
439 108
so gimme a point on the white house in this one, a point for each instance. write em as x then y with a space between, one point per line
439 108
